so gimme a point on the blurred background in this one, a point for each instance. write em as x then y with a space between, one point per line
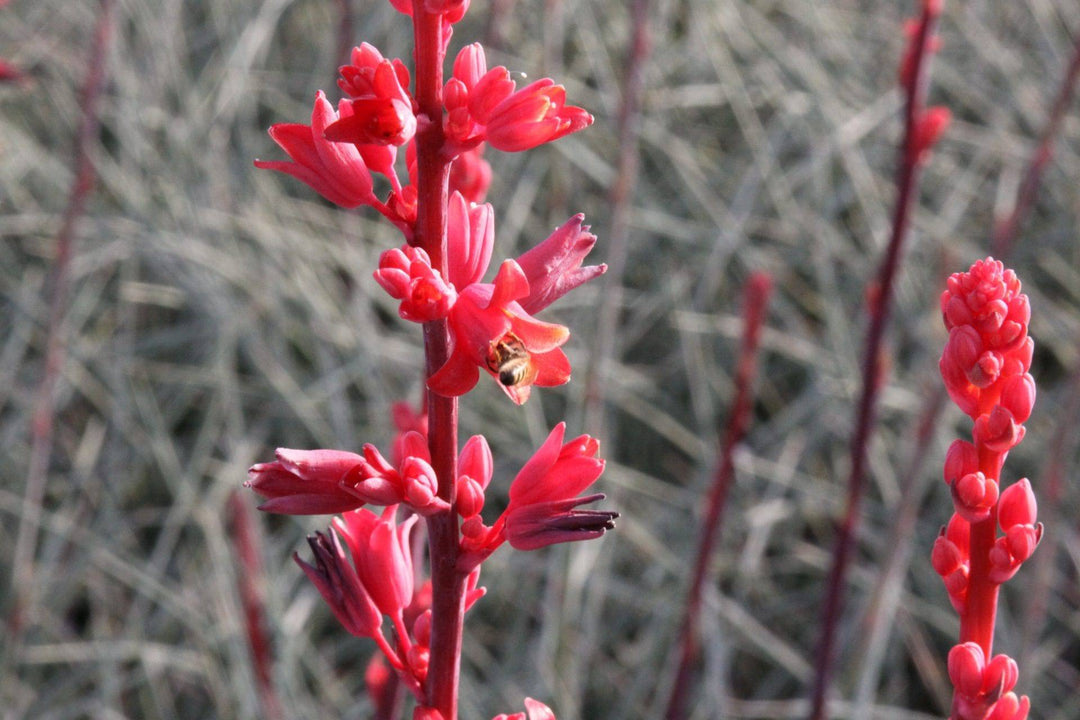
216 312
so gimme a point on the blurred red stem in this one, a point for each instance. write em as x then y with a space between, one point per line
41 429
755 302
1005 230
907 181
626 173
251 582
433 171
977 620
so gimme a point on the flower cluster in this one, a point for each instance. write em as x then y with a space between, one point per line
349 153
985 367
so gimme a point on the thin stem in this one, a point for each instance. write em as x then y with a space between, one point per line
247 546
433 171
755 302
907 183
1005 231
41 429
977 620
626 174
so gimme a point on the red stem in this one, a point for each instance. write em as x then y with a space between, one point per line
246 544
977 621
41 429
907 182
1005 231
433 171
755 302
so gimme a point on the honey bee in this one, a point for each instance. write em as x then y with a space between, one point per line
509 359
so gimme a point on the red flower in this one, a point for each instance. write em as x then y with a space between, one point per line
475 468
534 710
306 482
383 556
491 330
381 106
484 104
470 174
553 268
470 238
339 584
317 482
546 491
336 171
406 274
983 689
988 350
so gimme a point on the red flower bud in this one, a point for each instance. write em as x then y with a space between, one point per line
1017 505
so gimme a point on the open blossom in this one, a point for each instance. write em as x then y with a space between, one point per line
545 492
486 105
491 330
336 171
553 268
380 103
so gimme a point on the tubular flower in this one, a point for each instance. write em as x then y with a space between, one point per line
470 238
381 106
306 482
553 268
545 492
486 105
470 174
406 274
339 584
984 689
336 171
318 482
491 330
382 554
475 468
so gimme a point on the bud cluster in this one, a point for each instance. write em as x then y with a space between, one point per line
985 367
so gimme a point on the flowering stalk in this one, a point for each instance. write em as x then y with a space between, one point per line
364 565
985 368
922 128
755 303
41 430
1006 229
251 582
